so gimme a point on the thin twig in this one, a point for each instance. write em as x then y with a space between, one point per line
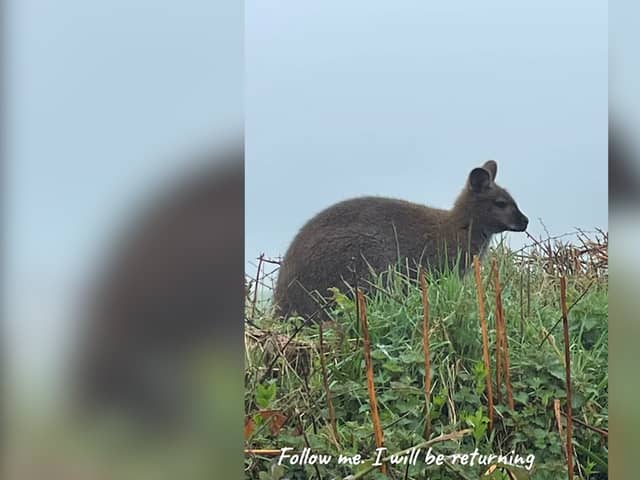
306 441
601 431
580 297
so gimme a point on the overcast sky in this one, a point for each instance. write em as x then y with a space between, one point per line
341 99
403 99
105 100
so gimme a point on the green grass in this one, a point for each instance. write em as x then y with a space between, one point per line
531 301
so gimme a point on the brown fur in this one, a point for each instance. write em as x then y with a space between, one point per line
375 233
168 290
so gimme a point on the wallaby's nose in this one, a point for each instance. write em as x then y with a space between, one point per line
521 222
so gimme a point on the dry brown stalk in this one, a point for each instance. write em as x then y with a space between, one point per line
498 349
262 451
325 380
373 401
485 338
255 292
427 355
558 413
567 361
502 334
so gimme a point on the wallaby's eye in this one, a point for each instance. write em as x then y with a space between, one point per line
500 203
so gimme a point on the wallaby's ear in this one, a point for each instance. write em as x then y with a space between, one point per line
479 179
492 167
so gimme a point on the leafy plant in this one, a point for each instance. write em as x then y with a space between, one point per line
458 399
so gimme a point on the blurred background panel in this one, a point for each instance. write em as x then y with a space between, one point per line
624 224
124 151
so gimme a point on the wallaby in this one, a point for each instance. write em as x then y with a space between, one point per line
367 234
165 293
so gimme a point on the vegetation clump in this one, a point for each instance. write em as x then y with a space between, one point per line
293 399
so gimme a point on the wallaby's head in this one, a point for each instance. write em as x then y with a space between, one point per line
490 205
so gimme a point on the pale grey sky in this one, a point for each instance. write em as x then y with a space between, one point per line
341 99
402 99
104 101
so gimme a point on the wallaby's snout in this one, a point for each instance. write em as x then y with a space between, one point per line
521 222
